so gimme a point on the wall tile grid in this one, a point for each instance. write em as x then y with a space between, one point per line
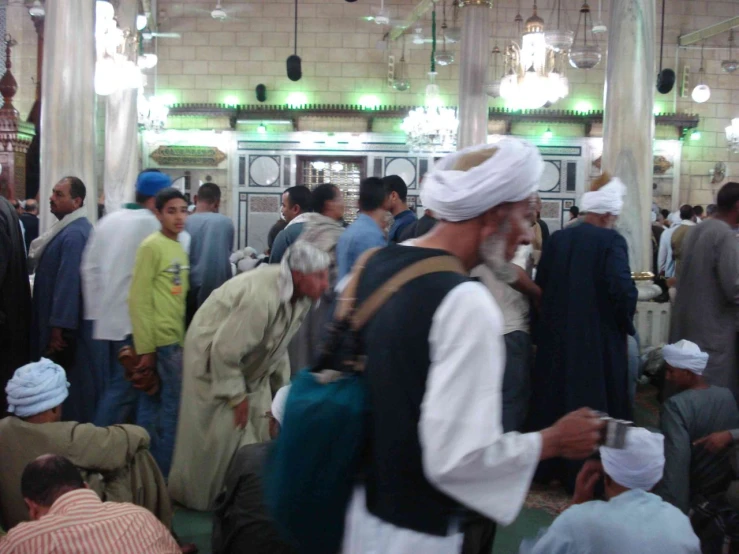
214 60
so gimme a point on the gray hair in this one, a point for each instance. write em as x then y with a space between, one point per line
302 257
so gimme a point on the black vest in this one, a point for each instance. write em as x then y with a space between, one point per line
395 342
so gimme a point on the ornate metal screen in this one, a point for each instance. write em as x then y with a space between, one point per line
342 172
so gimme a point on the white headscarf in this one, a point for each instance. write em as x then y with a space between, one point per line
304 258
609 199
279 402
36 387
640 464
686 355
510 175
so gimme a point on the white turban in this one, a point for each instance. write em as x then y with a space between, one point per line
510 175
36 387
302 257
685 355
279 402
609 199
640 464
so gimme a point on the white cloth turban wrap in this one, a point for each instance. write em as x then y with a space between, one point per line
36 387
640 464
302 257
609 199
686 355
510 175
279 402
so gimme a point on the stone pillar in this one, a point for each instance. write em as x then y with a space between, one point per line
68 102
121 131
628 126
473 58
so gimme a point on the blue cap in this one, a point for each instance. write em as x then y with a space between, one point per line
150 183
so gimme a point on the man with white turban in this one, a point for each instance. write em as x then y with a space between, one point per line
434 368
235 360
631 519
693 472
115 461
241 522
587 310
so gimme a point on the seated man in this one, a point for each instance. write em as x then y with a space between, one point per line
632 519
68 517
692 471
241 522
115 461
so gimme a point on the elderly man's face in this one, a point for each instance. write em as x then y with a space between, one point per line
683 379
310 285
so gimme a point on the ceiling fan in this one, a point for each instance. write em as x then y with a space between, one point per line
147 34
381 16
220 13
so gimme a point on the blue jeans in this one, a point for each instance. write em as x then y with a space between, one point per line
158 412
119 400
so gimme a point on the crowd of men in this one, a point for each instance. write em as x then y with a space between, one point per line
143 370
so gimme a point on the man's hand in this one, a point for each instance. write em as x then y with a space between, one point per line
586 480
575 436
241 414
715 442
147 361
56 342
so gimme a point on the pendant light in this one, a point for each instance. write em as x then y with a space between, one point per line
731 64
665 77
599 28
401 83
444 57
560 38
701 93
294 63
585 55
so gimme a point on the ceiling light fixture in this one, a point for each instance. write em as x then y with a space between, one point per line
37 9
731 64
701 93
584 55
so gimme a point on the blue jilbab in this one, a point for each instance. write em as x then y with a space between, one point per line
587 310
57 302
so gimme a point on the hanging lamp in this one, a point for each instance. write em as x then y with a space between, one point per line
701 93
559 39
401 83
585 55
731 64
444 57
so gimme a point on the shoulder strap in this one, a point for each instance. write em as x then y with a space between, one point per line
437 264
345 302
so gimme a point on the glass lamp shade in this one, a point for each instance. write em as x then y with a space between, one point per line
432 91
401 85
701 93
418 37
131 76
534 91
444 58
492 89
454 34
382 17
585 56
509 86
729 65
104 10
558 86
107 77
559 40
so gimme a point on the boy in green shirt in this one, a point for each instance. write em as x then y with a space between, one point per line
156 304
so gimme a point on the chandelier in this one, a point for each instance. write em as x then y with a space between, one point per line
535 74
153 112
431 128
119 65
732 135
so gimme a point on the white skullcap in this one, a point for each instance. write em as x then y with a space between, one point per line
640 464
510 175
609 199
685 355
302 257
279 402
36 387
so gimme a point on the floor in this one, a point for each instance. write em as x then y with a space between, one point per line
542 504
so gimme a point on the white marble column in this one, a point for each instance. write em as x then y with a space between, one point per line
628 127
68 102
473 59
121 131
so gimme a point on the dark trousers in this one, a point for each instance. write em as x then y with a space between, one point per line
479 535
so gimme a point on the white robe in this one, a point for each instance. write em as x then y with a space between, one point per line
465 453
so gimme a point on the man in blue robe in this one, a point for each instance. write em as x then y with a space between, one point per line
58 330
587 311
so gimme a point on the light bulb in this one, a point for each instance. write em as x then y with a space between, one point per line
104 10
141 22
701 93
107 77
261 129
548 133
37 9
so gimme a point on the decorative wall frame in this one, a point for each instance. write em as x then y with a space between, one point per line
188 156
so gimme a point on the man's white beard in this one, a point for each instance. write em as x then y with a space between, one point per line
492 253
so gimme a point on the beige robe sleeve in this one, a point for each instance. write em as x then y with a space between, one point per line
281 374
243 330
104 449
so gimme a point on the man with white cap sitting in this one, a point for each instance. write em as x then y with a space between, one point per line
693 472
115 461
241 522
434 368
632 519
587 310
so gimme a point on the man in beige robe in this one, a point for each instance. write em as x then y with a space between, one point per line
235 360
114 461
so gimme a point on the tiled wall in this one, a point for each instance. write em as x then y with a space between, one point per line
213 60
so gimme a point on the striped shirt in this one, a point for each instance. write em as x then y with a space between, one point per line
80 523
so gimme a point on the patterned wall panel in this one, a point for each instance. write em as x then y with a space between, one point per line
405 168
256 215
264 171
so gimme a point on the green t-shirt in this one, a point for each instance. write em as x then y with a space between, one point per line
157 299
